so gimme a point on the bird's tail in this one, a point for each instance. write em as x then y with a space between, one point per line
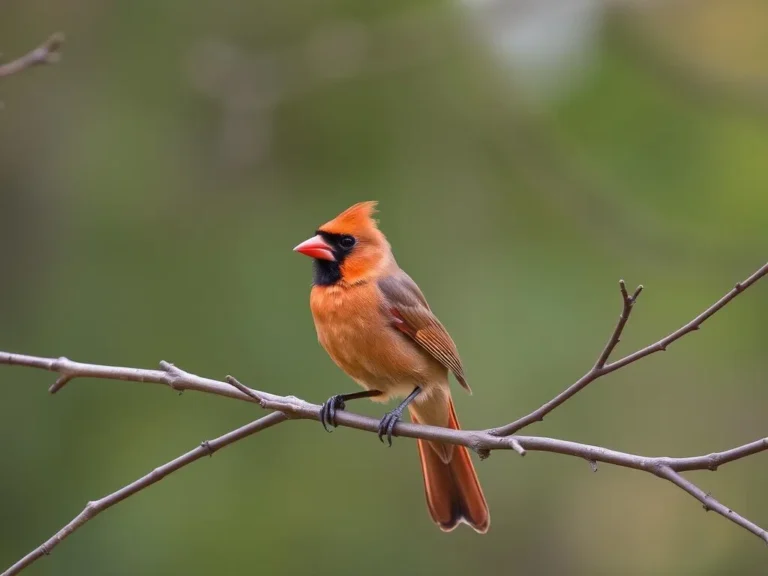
453 491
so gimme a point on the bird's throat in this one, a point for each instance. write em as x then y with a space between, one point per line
325 272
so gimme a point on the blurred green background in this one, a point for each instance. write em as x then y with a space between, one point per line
526 155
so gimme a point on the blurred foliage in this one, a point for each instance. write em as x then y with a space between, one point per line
526 155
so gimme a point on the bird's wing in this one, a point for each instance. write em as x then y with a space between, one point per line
411 315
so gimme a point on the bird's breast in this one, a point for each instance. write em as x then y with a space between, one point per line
354 328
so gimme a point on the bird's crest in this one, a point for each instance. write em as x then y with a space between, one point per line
355 220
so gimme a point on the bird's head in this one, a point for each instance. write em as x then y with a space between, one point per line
349 248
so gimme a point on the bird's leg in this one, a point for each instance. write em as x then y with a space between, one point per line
337 402
389 420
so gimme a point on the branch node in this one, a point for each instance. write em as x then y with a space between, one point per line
174 375
61 381
52 47
206 445
90 508
170 368
484 453
232 381
517 447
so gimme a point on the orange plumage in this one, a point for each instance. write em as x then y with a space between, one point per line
376 325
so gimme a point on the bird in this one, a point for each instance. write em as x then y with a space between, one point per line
376 325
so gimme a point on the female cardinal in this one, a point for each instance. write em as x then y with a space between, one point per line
376 325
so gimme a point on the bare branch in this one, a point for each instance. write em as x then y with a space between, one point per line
245 390
692 326
709 502
668 468
169 375
516 446
601 368
47 53
93 508
481 441
628 301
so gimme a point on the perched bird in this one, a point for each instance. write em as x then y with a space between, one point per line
376 325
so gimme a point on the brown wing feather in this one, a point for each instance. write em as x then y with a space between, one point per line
411 315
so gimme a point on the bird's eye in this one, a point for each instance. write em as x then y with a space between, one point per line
347 242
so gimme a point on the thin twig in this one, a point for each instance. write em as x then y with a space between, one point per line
601 368
482 441
516 446
709 502
47 53
95 507
628 302
245 390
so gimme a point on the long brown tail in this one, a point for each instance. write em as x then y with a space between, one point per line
453 491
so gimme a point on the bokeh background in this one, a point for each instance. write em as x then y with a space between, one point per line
526 155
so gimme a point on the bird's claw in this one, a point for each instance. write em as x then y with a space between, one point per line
387 425
329 409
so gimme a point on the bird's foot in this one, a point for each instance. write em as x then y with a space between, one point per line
387 424
328 411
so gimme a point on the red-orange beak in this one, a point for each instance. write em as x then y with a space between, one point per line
316 247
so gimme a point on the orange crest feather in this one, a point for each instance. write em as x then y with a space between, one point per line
355 220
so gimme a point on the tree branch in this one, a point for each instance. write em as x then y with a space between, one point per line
47 53
708 501
601 368
481 441
93 508
628 301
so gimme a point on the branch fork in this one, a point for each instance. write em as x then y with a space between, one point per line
628 302
483 442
